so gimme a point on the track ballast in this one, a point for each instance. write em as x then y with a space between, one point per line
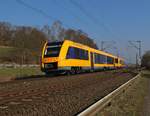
56 96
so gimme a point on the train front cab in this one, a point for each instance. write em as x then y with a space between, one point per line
50 56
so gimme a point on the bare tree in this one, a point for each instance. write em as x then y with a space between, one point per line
47 31
27 42
57 31
5 33
80 37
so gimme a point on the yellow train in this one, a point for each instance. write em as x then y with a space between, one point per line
72 57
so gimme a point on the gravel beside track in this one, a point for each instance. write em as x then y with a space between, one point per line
57 96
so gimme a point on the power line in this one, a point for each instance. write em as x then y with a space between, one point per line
40 11
35 9
71 13
83 10
91 17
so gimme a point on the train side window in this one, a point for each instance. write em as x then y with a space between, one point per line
77 53
100 59
70 53
110 60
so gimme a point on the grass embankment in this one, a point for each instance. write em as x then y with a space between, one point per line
5 50
132 101
12 73
5 53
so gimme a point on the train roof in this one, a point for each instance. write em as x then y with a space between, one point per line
83 46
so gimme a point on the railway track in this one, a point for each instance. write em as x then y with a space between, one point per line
57 96
14 96
101 104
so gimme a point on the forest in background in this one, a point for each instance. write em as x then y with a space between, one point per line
23 44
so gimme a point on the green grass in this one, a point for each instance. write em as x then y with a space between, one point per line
19 72
15 72
4 50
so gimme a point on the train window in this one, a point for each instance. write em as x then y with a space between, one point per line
77 53
55 43
70 53
110 60
100 59
52 51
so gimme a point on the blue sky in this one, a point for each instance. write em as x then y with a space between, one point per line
117 20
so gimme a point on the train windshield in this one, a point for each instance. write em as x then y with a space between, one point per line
52 49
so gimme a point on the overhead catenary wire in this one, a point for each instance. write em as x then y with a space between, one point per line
43 13
37 10
91 17
81 8
70 12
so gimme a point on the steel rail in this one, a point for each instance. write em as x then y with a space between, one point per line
98 106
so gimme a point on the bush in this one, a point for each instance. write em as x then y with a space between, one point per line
146 60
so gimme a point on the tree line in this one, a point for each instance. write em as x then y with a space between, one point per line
27 41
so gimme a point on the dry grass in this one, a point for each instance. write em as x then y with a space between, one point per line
18 72
131 102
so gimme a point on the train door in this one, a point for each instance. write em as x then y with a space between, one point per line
92 61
